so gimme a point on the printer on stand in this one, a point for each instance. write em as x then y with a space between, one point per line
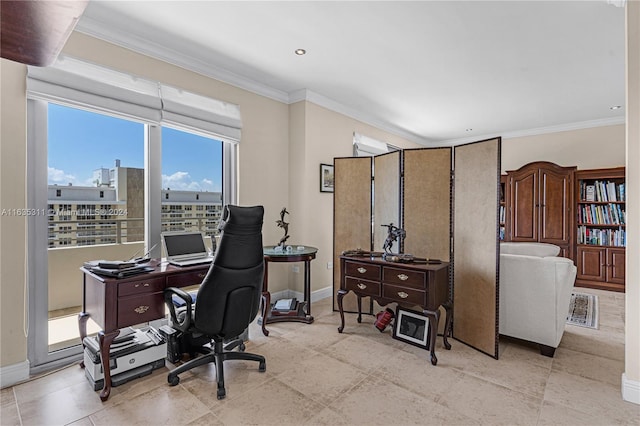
134 353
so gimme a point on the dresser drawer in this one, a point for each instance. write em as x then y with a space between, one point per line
404 277
186 279
359 286
137 309
404 295
143 286
362 270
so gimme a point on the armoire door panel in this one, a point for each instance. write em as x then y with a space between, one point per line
476 244
524 206
555 209
351 214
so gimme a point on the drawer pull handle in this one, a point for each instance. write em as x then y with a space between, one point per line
201 275
403 277
402 294
362 270
362 286
144 285
141 309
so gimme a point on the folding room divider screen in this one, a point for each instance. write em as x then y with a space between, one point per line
446 199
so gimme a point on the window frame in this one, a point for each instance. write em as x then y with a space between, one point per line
38 354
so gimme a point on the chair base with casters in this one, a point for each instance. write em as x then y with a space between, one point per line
218 354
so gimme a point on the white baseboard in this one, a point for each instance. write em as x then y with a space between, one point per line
630 390
316 295
15 373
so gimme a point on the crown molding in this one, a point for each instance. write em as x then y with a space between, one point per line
323 101
122 38
118 36
614 121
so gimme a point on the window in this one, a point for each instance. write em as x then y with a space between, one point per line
191 168
70 102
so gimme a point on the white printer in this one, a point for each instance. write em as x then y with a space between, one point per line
134 353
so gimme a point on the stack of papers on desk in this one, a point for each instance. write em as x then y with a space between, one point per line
116 268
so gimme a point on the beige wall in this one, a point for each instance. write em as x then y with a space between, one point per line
13 341
631 389
593 148
324 135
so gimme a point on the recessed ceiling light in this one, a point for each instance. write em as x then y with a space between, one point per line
615 107
300 52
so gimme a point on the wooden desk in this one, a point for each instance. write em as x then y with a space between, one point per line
305 255
407 284
117 303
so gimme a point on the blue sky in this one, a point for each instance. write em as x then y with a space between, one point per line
81 142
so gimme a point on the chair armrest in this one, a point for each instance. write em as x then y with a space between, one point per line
168 300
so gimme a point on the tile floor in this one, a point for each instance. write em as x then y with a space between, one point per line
361 377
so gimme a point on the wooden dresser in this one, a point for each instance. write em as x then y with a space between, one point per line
408 284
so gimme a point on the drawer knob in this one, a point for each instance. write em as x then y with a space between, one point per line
402 294
141 309
362 286
362 270
403 277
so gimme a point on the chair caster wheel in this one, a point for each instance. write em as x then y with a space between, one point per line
221 394
242 347
173 380
262 367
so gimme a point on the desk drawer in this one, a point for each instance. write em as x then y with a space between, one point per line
404 295
404 277
142 286
359 286
136 309
362 270
186 279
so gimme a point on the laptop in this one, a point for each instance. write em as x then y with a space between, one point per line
185 248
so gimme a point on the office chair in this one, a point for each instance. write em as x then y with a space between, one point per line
228 298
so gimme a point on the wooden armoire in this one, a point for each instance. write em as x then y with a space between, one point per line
540 205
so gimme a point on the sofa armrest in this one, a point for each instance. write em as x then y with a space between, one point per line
530 249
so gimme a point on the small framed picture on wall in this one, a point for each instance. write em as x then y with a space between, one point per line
326 178
411 327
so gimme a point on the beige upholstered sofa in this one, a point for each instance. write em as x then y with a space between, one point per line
535 291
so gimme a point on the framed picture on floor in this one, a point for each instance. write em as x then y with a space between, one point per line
411 327
326 178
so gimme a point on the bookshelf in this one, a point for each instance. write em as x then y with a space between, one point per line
503 206
601 228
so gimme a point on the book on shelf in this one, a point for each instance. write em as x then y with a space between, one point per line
590 193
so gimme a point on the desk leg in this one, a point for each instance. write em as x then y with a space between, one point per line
82 326
341 294
266 299
447 325
105 349
307 289
434 319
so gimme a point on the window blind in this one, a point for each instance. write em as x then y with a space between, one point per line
85 85
365 146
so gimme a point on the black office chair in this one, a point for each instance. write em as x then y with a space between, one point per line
228 298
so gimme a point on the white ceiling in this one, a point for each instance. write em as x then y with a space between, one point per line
425 70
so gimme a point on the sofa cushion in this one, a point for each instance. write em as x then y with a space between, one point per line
530 249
